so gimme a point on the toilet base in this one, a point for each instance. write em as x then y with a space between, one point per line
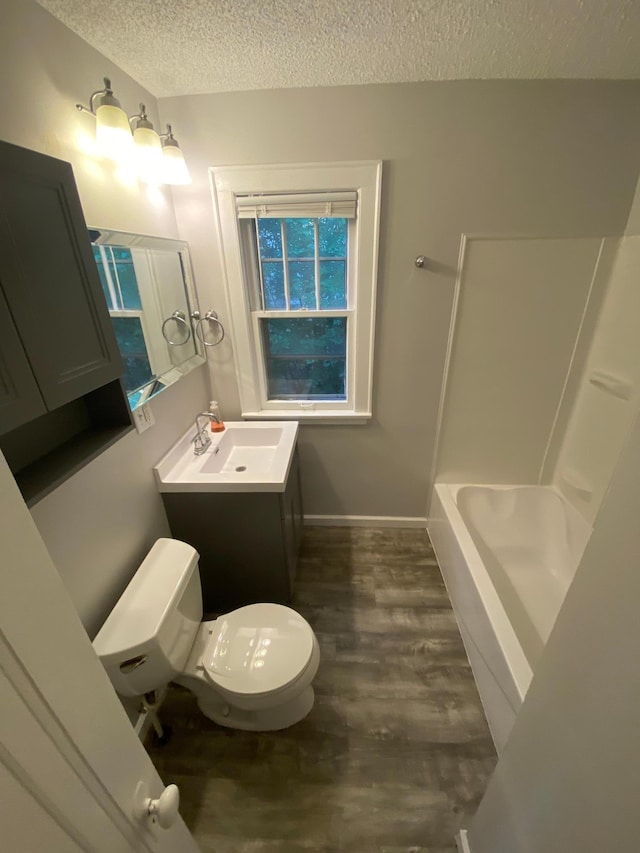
263 720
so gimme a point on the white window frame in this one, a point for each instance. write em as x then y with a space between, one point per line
365 178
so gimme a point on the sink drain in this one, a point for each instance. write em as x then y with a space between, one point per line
241 468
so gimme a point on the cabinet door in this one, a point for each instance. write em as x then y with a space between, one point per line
20 399
50 279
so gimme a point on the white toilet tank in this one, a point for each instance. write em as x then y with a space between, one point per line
148 635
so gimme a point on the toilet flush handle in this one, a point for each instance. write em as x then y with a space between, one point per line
133 663
162 811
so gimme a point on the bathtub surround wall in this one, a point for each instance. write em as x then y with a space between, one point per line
519 312
543 380
605 404
567 778
479 157
588 325
101 522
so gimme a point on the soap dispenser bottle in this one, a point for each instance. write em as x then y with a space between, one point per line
216 421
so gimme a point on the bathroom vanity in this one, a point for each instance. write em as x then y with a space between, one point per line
239 505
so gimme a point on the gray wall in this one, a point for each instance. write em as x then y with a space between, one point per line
567 779
558 159
100 523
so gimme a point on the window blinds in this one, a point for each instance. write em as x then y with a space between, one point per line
308 205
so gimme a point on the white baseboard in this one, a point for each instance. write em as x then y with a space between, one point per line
364 521
462 842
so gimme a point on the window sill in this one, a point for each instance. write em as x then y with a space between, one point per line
306 417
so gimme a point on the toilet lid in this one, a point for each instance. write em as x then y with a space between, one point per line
258 648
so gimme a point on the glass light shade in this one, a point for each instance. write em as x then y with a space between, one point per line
174 168
113 134
149 159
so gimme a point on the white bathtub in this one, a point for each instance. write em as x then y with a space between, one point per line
508 555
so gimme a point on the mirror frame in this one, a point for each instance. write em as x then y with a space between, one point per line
128 240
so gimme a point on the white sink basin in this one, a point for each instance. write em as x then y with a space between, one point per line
249 456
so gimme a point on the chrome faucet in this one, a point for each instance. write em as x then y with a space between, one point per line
202 440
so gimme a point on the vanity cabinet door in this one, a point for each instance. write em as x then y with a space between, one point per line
20 398
50 279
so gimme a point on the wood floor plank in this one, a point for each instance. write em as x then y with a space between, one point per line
396 751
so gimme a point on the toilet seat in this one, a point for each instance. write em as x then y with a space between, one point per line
258 649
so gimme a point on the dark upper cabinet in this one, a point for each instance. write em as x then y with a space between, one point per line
57 338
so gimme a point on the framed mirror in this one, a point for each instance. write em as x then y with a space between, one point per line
150 292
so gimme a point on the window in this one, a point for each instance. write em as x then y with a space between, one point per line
300 248
301 267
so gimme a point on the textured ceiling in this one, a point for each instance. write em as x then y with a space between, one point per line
178 47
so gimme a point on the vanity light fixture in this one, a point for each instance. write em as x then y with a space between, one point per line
113 134
148 148
158 158
174 167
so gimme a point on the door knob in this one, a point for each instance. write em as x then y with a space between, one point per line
162 811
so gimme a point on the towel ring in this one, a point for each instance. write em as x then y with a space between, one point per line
180 318
209 317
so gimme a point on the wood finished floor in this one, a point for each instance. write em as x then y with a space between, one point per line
396 751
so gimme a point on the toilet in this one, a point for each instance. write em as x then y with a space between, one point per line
249 669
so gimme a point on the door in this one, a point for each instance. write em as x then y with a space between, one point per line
70 761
